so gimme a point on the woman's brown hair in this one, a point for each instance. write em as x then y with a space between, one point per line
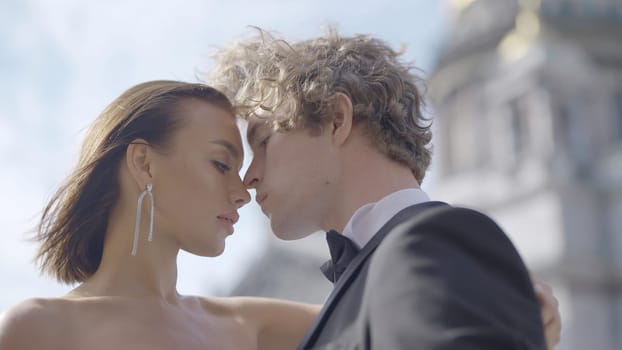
73 223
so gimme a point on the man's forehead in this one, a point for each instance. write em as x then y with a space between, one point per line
255 125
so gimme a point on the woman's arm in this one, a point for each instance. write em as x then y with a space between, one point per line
280 324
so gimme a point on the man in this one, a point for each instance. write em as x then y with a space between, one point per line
341 145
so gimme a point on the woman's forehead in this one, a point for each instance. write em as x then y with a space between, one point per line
203 121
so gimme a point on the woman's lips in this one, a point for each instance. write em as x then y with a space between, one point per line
228 220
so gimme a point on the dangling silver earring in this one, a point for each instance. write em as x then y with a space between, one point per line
138 214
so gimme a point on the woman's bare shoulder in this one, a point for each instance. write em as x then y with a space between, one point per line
40 317
32 311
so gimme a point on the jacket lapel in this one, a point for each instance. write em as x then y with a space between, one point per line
351 272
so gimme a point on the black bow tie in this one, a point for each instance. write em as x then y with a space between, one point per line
342 251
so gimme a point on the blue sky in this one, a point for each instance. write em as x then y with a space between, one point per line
61 62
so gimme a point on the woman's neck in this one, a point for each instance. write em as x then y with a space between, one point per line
152 272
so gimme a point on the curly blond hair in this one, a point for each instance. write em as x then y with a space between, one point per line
295 87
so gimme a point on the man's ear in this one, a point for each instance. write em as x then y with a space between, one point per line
138 161
342 119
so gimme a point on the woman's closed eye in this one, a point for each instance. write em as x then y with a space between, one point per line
222 167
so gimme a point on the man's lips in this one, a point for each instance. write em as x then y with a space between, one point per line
261 197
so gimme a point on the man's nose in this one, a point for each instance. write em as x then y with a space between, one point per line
251 178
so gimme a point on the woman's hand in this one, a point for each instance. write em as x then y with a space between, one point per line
549 307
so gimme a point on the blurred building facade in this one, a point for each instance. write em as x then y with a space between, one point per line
528 111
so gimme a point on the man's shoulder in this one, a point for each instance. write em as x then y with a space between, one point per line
449 224
449 233
439 215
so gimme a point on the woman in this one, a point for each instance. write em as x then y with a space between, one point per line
158 172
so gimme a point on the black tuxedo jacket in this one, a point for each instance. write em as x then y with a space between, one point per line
433 277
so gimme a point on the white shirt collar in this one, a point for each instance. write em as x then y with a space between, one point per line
370 218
